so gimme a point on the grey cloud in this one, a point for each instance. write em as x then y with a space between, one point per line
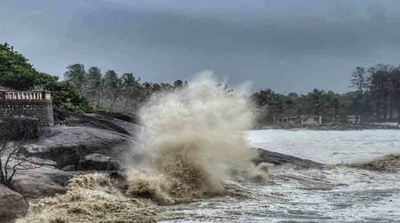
313 44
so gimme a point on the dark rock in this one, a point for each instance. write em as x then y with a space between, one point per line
98 161
132 118
118 175
388 163
41 182
280 159
69 145
41 162
19 128
69 168
12 204
121 123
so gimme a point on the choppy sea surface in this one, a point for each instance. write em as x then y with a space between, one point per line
330 147
337 194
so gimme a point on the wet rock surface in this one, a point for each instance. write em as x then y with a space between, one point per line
12 204
121 123
92 142
70 145
281 159
41 182
97 161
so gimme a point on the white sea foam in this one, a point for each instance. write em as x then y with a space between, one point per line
195 135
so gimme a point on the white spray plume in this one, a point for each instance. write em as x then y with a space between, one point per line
196 134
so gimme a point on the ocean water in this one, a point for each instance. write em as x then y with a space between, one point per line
331 147
338 194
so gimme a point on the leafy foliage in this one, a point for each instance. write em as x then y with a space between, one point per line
375 95
317 102
65 96
17 73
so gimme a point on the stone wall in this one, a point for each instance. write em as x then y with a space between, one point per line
42 110
19 129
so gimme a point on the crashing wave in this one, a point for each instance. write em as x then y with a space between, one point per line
90 198
194 141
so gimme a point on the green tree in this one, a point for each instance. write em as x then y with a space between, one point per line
112 88
94 86
132 92
76 75
67 97
359 80
17 73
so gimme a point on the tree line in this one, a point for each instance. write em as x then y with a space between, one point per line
111 91
81 90
375 93
378 91
375 97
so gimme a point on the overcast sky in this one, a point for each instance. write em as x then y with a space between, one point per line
286 45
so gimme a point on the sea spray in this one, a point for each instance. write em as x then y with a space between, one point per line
90 198
193 137
193 140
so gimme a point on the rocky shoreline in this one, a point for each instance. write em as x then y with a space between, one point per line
64 152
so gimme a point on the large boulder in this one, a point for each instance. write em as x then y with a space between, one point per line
68 146
265 156
121 123
41 182
111 121
97 161
12 204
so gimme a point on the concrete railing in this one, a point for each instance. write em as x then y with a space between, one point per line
25 95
